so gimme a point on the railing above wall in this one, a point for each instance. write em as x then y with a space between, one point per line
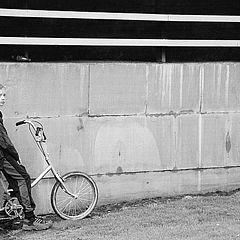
117 42
77 35
116 16
26 13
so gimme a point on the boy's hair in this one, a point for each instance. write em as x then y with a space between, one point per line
1 86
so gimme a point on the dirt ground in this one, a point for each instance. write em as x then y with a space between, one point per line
210 216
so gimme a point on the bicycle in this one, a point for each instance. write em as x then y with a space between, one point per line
73 196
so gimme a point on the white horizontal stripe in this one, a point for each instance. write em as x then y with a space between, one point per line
118 42
116 16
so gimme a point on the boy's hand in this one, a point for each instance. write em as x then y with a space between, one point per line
19 161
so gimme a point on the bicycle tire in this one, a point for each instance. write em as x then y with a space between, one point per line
71 208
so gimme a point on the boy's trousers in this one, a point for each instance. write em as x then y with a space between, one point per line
19 180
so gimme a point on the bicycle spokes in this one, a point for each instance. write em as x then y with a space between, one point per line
84 196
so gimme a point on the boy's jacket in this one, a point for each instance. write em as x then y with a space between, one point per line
5 142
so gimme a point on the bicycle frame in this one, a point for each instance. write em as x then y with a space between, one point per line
54 172
41 141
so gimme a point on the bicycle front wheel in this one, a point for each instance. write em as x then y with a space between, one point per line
85 190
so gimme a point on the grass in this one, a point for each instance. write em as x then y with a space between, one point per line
215 216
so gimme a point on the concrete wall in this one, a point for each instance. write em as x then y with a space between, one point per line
141 130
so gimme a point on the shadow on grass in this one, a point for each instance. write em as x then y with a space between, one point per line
104 209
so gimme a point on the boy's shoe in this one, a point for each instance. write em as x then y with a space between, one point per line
37 224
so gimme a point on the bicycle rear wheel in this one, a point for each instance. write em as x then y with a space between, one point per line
68 207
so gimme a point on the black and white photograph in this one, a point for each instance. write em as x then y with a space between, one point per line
119 120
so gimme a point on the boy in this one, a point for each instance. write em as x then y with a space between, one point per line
17 176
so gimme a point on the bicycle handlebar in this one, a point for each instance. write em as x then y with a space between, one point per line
39 133
28 122
20 123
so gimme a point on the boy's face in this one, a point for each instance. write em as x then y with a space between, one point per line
2 96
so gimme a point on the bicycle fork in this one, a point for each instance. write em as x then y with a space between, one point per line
63 186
